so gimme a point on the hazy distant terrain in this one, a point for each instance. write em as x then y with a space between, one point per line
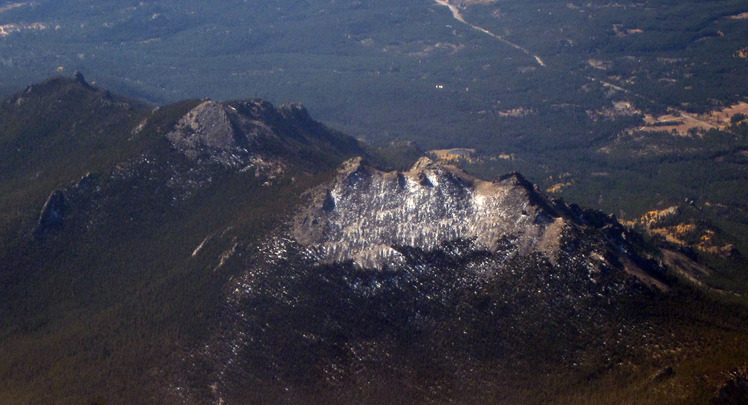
391 70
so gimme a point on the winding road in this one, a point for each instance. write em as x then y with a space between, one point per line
458 16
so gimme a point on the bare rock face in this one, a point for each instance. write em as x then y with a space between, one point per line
253 134
234 135
240 126
365 212
207 124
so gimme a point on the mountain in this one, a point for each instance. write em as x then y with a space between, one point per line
627 107
237 252
93 238
422 275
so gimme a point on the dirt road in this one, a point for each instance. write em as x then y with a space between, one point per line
458 16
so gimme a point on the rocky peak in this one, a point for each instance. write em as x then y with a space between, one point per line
78 77
295 112
48 99
241 133
422 163
208 125
364 213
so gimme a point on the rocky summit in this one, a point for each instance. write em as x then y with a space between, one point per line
365 213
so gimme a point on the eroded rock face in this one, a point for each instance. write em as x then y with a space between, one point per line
365 212
253 134
209 125
234 135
